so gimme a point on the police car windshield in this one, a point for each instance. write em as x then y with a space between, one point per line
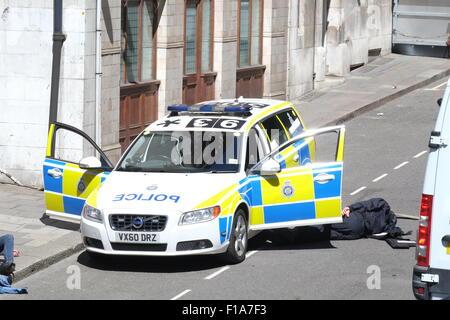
184 152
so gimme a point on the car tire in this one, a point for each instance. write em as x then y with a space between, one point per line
238 246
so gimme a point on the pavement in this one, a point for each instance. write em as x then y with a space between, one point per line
369 87
43 241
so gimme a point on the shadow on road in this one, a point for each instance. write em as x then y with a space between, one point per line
303 238
300 238
150 264
45 219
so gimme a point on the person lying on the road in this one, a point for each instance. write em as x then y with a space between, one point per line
364 219
372 218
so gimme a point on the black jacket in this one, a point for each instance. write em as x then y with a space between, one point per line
366 218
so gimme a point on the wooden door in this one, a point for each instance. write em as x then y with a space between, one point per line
138 108
250 72
199 78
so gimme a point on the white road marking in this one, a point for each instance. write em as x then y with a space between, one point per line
181 294
217 273
380 177
401 165
358 190
250 253
420 154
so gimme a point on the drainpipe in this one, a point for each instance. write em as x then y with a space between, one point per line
98 76
58 39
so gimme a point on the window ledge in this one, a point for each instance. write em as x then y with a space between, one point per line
151 85
251 68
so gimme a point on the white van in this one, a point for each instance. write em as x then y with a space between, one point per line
431 278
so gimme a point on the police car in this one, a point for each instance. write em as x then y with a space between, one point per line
202 180
431 277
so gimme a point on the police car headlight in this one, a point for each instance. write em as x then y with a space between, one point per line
201 215
92 213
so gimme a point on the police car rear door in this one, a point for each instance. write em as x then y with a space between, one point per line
66 184
304 191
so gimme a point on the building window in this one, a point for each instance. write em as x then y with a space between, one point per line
138 41
250 32
198 36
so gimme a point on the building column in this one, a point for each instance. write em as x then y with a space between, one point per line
338 52
225 47
301 50
170 43
274 48
111 33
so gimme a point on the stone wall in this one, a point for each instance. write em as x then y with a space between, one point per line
355 27
26 29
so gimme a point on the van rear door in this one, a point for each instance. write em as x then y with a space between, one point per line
440 220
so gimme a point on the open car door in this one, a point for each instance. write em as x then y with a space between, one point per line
74 166
298 191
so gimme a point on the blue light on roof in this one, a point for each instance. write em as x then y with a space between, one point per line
178 107
238 109
206 108
218 108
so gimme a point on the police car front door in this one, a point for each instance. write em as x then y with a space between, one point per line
66 184
304 192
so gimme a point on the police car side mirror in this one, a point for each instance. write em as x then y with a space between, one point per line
268 167
92 163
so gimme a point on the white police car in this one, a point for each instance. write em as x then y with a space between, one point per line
200 181
431 277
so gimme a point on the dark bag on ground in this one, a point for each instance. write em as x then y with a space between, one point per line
6 268
367 218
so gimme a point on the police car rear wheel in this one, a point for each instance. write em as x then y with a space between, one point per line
238 239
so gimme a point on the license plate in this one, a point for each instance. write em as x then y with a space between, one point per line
137 237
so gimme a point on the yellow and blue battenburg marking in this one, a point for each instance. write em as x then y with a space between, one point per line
68 192
293 195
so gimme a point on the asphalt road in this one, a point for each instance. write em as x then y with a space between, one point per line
385 157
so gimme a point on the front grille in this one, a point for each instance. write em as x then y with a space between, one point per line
137 223
139 246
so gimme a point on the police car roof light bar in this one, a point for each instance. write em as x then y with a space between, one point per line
210 108
178 107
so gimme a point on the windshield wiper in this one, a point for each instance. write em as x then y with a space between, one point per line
222 171
155 170
130 169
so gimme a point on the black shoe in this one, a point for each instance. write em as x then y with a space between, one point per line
11 278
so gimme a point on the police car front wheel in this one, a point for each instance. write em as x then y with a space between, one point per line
238 239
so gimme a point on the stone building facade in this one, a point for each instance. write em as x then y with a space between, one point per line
279 49
157 53
26 30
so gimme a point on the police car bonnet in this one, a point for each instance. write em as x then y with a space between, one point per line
181 192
